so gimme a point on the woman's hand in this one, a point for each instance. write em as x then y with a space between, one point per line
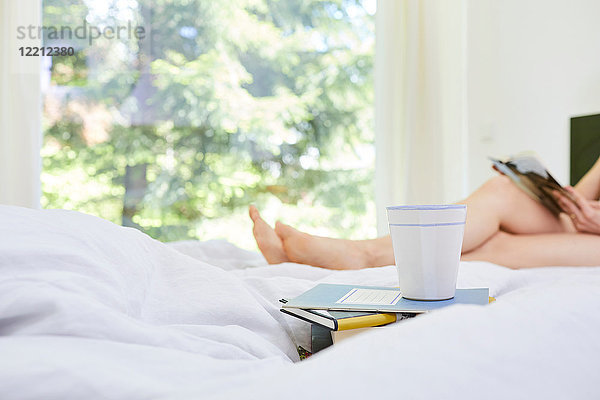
584 213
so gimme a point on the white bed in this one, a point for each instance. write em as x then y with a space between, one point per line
92 310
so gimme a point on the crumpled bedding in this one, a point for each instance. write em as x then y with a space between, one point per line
89 309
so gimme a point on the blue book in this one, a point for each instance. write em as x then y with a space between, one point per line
327 296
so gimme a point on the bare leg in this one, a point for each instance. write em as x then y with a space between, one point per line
526 251
285 243
331 253
496 206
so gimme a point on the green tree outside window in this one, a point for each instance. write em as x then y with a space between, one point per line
222 104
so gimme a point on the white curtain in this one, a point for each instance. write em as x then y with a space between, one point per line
20 106
420 103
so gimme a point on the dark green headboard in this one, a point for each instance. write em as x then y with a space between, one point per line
585 145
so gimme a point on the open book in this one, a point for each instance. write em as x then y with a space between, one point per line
529 174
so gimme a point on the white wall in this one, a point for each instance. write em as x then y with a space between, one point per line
532 64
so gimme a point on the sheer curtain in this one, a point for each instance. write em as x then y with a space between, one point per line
420 103
20 106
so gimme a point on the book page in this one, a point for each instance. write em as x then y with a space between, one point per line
374 297
322 312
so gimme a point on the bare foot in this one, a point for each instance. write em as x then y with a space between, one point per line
285 243
320 251
269 243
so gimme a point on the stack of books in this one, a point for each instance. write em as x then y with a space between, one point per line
338 312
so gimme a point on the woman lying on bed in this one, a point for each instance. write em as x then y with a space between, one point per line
504 226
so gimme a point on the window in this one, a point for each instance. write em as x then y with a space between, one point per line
173 116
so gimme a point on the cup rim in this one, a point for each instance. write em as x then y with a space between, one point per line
429 207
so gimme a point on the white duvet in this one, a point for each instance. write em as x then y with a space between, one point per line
92 310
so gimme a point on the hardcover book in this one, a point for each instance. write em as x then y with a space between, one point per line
345 320
322 337
380 299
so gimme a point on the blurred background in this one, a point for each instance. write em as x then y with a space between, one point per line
222 104
320 112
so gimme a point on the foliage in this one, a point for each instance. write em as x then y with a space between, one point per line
227 103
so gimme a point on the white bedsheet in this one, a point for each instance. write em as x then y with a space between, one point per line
92 310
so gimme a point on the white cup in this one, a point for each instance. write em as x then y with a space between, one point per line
427 243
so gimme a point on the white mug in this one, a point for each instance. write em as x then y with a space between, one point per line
427 241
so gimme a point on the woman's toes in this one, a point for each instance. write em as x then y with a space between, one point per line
253 212
269 244
285 231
